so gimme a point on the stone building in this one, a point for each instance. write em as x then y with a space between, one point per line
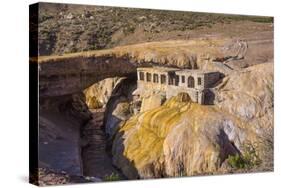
171 81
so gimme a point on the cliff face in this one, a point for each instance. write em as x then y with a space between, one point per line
248 93
183 138
60 121
98 94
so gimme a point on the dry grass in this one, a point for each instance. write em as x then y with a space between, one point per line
177 50
71 28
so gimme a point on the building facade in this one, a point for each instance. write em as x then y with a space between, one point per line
171 81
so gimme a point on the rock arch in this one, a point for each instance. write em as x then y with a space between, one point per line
63 76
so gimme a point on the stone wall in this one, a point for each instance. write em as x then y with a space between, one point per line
146 88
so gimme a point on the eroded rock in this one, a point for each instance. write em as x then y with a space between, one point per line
183 138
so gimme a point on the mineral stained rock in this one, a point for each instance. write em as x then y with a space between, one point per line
99 93
184 138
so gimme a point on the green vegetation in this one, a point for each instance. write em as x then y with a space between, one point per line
112 177
128 29
236 161
248 160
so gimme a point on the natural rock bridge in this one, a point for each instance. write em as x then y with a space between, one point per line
71 75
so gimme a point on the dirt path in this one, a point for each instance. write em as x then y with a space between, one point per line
96 162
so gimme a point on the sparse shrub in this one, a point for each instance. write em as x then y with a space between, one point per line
112 177
248 160
236 161
129 29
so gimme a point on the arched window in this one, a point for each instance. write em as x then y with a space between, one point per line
190 82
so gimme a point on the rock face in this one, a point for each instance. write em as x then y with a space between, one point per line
68 75
247 94
183 138
98 94
120 105
172 141
151 101
60 121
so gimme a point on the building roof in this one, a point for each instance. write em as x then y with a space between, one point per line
157 69
197 71
177 70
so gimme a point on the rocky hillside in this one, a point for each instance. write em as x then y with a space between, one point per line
74 28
